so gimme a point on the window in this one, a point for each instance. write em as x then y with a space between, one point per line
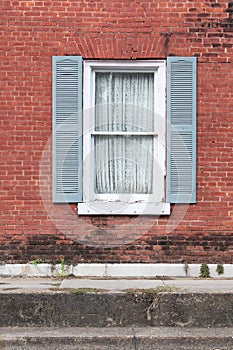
123 136
132 157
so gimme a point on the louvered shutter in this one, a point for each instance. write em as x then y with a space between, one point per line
181 129
67 129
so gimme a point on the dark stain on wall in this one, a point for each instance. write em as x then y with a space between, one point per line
211 247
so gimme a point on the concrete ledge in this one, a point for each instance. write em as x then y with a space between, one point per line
77 308
116 338
112 270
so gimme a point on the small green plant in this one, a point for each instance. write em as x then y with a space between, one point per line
220 269
87 290
63 271
204 271
36 262
152 291
77 290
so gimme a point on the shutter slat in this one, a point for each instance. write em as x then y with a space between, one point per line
181 130
67 129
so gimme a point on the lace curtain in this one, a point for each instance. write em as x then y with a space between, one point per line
124 113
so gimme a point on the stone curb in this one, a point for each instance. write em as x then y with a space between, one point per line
76 308
116 338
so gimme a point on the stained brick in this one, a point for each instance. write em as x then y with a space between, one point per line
33 31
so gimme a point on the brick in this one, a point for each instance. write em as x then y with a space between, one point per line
32 32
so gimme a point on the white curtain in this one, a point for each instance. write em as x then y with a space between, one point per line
124 103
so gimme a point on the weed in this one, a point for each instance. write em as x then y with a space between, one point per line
204 271
220 269
36 262
152 291
63 271
78 290
86 290
156 291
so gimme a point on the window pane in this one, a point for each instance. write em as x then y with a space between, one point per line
123 164
124 102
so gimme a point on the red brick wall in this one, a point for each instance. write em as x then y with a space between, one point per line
33 31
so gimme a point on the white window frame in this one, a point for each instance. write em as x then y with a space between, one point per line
133 204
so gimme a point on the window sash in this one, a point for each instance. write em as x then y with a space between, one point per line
158 69
124 164
124 101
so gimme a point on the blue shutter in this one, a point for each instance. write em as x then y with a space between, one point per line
181 129
67 129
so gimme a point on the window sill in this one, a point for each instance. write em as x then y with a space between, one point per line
123 208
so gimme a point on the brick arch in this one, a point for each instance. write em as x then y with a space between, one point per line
119 47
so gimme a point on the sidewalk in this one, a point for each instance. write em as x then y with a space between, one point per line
189 285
